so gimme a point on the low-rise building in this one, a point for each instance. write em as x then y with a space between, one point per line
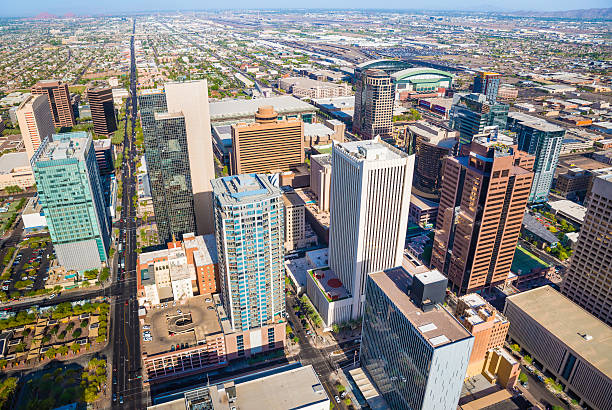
423 212
15 170
33 216
183 270
566 341
323 133
320 179
329 296
291 386
296 233
306 87
569 210
535 230
486 324
194 336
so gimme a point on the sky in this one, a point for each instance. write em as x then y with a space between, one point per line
33 7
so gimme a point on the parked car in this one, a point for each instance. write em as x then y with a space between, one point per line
114 397
337 399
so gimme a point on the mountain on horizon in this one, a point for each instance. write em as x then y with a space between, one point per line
586 14
44 16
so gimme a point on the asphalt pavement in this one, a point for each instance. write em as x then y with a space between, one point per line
126 384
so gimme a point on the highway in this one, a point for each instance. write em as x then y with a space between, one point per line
126 385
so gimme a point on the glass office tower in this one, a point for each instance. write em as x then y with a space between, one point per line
167 156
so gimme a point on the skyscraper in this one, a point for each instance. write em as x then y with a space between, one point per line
69 190
588 281
370 200
35 122
543 140
59 101
471 113
191 99
483 198
414 351
430 145
249 227
267 145
373 104
178 150
102 110
487 83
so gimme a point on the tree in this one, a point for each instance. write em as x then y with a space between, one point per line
75 348
20 347
528 359
522 378
13 189
104 274
76 333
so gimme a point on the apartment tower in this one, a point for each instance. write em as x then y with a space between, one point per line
374 96
413 350
70 192
483 198
543 140
370 201
59 101
102 110
35 122
249 227
589 279
267 145
487 83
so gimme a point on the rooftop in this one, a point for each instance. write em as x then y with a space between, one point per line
292 389
62 146
569 323
329 284
12 160
437 326
370 150
245 188
569 208
533 225
198 319
322 159
239 108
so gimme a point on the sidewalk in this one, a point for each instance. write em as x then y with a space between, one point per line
529 396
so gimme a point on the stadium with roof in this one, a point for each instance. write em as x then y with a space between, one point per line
421 80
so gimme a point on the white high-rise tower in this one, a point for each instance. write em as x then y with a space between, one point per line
370 200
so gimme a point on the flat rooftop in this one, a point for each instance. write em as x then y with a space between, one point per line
13 160
568 322
569 208
237 189
322 159
63 146
438 326
292 389
370 150
240 108
198 318
329 284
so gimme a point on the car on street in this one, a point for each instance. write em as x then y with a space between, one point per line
114 397
120 399
337 399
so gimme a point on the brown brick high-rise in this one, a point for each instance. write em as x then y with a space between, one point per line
483 198
267 145
59 101
102 110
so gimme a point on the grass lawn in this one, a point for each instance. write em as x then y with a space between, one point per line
526 261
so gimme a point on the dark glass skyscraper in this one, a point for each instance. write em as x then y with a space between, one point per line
166 152
471 113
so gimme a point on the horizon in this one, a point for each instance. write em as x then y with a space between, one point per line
80 10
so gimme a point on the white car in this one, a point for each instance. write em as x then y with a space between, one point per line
146 327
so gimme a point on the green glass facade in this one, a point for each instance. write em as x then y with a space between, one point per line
70 192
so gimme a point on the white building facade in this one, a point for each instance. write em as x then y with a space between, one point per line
370 202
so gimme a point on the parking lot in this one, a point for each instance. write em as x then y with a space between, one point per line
28 271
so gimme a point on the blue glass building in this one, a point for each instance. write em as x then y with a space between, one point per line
414 351
249 227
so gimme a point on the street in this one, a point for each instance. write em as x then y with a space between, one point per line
127 386
318 358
